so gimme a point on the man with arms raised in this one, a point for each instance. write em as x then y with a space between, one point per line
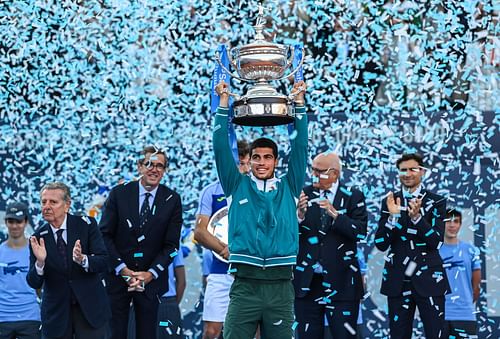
263 228
219 281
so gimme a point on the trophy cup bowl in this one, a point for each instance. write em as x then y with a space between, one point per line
260 62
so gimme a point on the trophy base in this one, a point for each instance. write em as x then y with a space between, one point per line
263 111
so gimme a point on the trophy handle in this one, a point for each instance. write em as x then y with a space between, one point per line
230 57
290 62
217 58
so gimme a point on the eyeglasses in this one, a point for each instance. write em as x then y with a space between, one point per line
150 166
324 171
411 169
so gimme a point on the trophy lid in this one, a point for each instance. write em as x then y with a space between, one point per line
260 43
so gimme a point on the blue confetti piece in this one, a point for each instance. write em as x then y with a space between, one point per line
345 191
313 240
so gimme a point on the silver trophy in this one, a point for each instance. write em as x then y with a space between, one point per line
259 63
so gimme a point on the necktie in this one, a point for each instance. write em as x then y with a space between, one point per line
324 213
145 211
61 248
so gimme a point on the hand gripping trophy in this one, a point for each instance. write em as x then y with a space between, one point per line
259 63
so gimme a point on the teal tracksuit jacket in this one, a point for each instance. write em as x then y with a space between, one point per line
263 226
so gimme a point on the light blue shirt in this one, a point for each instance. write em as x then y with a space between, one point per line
17 299
178 262
206 196
142 197
459 261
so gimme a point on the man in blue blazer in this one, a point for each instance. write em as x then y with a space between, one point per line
140 225
411 228
66 256
327 278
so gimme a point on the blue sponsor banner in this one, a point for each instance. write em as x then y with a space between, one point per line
299 75
219 75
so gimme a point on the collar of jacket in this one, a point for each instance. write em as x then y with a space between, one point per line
265 185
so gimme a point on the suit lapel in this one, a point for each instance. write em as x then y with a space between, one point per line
72 234
339 201
158 205
133 203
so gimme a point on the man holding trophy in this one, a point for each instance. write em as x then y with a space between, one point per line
263 228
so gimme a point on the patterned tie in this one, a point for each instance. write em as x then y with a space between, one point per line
145 211
324 213
61 247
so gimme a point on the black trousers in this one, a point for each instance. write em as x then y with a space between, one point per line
80 327
460 329
310 312
169 324
25 329
402 312
146 315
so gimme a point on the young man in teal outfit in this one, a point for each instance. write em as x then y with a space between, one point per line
263 227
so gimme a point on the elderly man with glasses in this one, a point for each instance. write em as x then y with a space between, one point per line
328 281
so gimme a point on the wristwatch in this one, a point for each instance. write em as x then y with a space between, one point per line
84 261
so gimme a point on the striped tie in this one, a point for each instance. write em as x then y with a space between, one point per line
145 211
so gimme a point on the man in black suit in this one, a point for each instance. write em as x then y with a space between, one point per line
67 255
411 226
140 225
327 279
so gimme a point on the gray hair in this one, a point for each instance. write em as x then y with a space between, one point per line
57 185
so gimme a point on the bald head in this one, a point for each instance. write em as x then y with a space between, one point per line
328 160
326 167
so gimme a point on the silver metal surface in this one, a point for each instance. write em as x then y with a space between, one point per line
260 62
218 226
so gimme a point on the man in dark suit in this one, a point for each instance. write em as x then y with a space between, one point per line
411 226
67 255
140 225
327 278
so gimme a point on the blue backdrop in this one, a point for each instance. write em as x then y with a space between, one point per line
85 85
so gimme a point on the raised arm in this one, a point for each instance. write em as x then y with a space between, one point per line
298 152
228 173
388 224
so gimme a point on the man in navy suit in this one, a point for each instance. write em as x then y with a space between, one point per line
140 225
327 278
411 227
67 256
